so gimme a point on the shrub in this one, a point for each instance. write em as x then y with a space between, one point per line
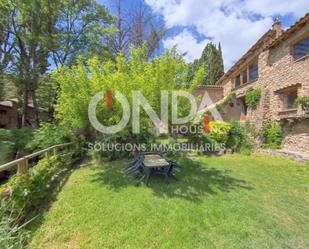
229 99
11 235
25 192
219 131
303 102
237 136
253 97
13 143
273 136
123 137
48 135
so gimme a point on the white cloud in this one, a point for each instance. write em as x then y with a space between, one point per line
230 22
185 41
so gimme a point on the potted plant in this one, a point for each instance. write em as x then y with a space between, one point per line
304 102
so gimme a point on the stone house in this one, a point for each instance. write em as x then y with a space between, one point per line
278 64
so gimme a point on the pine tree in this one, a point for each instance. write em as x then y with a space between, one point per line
212 62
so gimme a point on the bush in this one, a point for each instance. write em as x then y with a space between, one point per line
11 235
48 135
240 138
253 97
123 137
303 101
273 136
237 136
13 143
26 192
219 131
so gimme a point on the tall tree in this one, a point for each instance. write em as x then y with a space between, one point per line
39 32
135 28
32 24
81 29
6 44
212 62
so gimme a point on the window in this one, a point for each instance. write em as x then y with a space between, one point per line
289 99
237 81
249 74
301 49
244 77
254 71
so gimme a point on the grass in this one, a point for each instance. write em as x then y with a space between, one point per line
227 202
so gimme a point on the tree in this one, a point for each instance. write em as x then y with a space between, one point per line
6 44
135 28
142 29
33 24
212 62
81 29
39 31
81 82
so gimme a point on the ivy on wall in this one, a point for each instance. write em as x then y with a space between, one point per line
253 97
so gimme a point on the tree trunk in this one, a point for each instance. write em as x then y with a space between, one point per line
25 106
35 109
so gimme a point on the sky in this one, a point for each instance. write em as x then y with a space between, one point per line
237 24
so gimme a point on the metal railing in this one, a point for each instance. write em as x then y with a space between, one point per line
22 163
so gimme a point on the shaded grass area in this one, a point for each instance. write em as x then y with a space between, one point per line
228 202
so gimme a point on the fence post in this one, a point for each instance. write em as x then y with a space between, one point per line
55 151
22 166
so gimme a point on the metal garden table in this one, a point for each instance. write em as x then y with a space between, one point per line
153 163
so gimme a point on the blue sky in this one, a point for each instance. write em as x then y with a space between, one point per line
237 24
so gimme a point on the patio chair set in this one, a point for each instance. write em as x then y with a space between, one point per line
146 165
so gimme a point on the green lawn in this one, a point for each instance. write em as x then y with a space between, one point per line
227 202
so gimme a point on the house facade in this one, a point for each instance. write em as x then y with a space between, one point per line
278 64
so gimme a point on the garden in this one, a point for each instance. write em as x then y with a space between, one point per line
227 197
61 188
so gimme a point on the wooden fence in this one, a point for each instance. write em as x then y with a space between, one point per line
22 164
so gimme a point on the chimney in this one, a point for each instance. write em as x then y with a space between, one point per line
277 26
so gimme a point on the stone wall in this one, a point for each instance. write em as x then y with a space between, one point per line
296 136
277 70
215 93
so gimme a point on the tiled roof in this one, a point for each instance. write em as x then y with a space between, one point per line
286 34
270 33
9 103
6 103
257 45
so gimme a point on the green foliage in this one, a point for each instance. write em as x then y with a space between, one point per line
81 82
14 143
46 93
237 135
11 236
1 89
219 131
239 139
25 193
303 101
228 99
123 137
211 62
48 135
253 97
273 136
82 28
